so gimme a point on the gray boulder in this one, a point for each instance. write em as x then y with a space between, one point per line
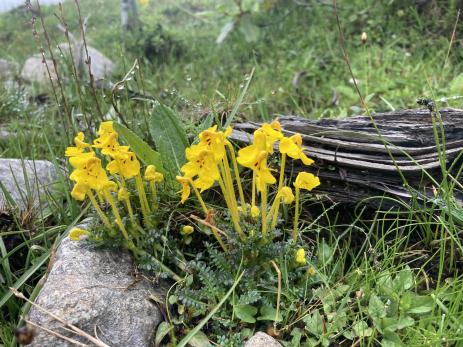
35 71
26 181
261 339
101 66
95 290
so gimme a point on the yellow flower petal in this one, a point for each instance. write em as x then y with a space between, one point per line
307 181
286 194
79 191
186 190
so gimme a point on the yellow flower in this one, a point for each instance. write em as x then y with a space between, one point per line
79 191
255 212
292 146
152 175
305 180
89 172
263 174
248 156
286 194
123 194
125 164
273 133
300 257
186 190
215 141
106 128
79 160
187 230
76 234
201 164
109 145
79 148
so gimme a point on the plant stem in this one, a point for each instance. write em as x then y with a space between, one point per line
237 177
109 198
296 216
282 172
153 194
143 201
264 210
101 214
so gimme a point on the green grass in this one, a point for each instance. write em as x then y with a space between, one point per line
407 55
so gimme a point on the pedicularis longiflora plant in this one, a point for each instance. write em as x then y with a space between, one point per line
213 160
110 176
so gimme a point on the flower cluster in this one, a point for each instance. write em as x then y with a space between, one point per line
213 160
112 184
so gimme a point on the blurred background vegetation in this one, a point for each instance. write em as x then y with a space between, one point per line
293 46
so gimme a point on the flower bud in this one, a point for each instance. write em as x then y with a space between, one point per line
187 230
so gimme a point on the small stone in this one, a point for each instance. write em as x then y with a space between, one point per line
261 339
5 134
27 181
94 289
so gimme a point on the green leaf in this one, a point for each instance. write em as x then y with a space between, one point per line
376 308
269 313
403 280
391 339
163 329
325 253
170 138
245 313
239 101
361 329
421 304
143 151
200 340
250 31
296 337
398 324
314 323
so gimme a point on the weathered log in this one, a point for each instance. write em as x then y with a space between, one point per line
354 162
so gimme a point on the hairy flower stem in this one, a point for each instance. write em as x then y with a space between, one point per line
233 214
200 199
230 188
128 205
282 172
143 201
237 177
296 216
153 194
253 197
100 213
109 198
273 213
264 210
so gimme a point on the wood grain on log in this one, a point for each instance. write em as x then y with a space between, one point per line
354 162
